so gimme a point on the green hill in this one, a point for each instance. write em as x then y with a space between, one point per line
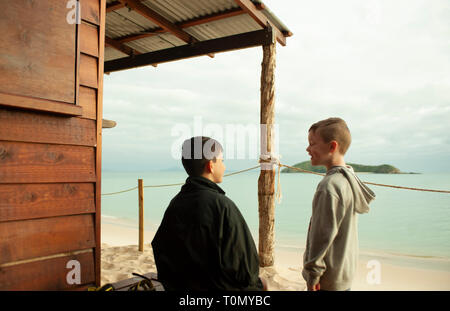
378 169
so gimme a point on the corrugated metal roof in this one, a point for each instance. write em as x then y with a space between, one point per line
111 53
155 43
182 10
223 28
124 22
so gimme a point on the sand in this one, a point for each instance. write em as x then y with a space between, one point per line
120 257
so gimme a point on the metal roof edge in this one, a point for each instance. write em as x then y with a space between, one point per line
273 18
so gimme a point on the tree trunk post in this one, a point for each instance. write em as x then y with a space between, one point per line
266 181
141 214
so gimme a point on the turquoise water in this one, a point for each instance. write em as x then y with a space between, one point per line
400 222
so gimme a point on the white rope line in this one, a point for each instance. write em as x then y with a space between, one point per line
178 184
278 195
371 183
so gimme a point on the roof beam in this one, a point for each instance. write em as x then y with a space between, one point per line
114 6
189 23
261 19
120 47
212 17
240 41
159 20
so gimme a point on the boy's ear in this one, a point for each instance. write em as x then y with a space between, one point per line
333 146
208 167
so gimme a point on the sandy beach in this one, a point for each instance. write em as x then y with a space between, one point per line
376 272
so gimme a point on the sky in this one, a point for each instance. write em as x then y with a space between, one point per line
381 65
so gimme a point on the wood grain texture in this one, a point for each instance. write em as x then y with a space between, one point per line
43 128
266 180
28 239
141 214
21 202
261 19
43 163
159 20
39 104
90 11
48 274
88 100
88 71
88 39
98 154
37 50
233 42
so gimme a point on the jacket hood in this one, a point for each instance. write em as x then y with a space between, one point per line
362 194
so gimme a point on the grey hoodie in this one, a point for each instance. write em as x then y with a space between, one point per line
331 253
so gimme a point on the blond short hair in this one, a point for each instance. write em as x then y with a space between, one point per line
333 129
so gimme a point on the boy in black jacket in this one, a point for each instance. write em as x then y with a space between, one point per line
203 242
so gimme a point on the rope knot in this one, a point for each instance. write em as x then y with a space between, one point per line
267 162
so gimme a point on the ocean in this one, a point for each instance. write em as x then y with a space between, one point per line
411 224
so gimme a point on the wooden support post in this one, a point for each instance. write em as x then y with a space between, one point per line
141 214
266 181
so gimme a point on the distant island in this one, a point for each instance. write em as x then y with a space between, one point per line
358 168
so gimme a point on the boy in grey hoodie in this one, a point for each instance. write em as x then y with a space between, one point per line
331 254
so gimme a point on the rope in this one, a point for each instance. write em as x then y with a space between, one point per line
407 188
134 188
238 172
371 183
273 160
179 184
278 195
302 170
168 185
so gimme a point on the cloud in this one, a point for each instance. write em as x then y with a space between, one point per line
381 65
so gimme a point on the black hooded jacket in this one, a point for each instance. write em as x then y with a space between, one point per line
203 242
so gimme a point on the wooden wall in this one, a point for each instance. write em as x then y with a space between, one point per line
51 82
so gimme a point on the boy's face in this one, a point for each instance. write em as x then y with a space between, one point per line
318 149
218 169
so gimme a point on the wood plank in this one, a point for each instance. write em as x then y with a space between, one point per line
38 104
49 274
114 6
27 126
88 39
141 214
27 239
88 100
261 19
37 50
88 71
20 202
121 47
44 163
184 24
107 124
90 11
159 20
245 40
78 54
98 149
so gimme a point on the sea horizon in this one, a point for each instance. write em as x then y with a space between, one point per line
405 222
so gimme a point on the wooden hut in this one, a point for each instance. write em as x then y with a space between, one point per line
52 60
